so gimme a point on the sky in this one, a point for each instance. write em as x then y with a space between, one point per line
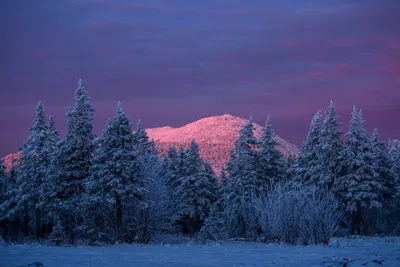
171 62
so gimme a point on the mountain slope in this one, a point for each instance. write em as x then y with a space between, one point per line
215 135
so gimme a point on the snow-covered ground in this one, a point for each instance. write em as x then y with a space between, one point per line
361 251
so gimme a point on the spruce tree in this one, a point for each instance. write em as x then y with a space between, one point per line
171 174
241 167
215 225
383 166
394 153
116 175
211 179
142 145
307 165
196 191
57 236
359 187
73 159
171 164
383 219
328 151
32 170
271 162
157 212
243 183
222 181
48 189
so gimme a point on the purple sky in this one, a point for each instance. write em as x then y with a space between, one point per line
171 62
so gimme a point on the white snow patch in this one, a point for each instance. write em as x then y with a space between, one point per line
360 251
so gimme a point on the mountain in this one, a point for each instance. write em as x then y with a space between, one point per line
215 136
8 160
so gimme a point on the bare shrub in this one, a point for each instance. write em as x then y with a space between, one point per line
297 215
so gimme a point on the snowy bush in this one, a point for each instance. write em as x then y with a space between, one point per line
297 215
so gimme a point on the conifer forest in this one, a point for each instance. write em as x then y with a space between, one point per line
117 188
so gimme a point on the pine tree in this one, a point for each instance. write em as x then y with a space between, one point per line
383 166
158 216
158 210
32 170
328 151
209 175
306 167
116 175
215 224
73 159
243 183
383 219
360 187
271 162
57 236
241 166
48 189
171 164
195 194
394 153
142 145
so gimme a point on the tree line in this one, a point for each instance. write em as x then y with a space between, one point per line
117 188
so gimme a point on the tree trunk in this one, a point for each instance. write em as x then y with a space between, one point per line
38 224
26 222
71 223
145 235
356 222
118 217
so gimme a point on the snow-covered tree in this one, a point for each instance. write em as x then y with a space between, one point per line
328 150
209 175
359 187
196 191
222 183
215 225
243 176
32 170
73 159
157 216
384 219
383 166
394 153
271 162
306 167
58 235
171 171
142 145
116 175
48 187
243 182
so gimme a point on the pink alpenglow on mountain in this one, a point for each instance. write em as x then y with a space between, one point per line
215 136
